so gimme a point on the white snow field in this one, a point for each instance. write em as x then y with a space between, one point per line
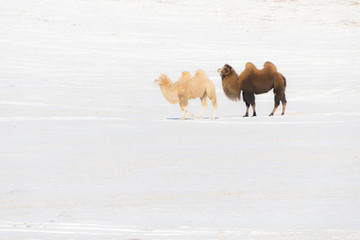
90 149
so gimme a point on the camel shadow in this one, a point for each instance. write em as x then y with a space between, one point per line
178 118
175 118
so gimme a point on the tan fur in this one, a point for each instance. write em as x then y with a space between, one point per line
253 81
187 87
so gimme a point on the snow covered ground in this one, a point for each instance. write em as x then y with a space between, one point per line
89 148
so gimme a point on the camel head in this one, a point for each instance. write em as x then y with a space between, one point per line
225 70
162 79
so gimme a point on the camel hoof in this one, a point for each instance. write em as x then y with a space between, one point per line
246 115
271 114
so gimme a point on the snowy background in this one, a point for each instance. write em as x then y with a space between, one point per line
90 149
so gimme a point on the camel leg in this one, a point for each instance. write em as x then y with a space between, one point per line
212 96
213 100
247 109
283 108
189 114
279 94
276 104
204 106
249 99
246 103
183 104
254 112
183 109
283 102
273 111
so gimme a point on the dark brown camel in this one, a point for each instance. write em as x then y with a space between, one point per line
254 81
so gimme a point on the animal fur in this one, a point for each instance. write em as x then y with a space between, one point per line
186 88
254 81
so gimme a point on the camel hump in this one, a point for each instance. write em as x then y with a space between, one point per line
200 73
270 65
185 74
249 65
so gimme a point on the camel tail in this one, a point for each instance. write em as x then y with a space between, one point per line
284 80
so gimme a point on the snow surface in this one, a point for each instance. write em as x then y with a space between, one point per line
90 149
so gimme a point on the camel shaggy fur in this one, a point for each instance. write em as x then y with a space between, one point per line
186 88
254 81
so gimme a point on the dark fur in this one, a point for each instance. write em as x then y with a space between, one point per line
253 81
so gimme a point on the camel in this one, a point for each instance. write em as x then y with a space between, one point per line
254 81
186 88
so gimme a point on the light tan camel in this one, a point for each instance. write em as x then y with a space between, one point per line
186 88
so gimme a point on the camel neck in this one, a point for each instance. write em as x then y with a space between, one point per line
170 93
233 75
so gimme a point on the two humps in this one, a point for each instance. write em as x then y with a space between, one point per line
188 87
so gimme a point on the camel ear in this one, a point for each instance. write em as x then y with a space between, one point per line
228 66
